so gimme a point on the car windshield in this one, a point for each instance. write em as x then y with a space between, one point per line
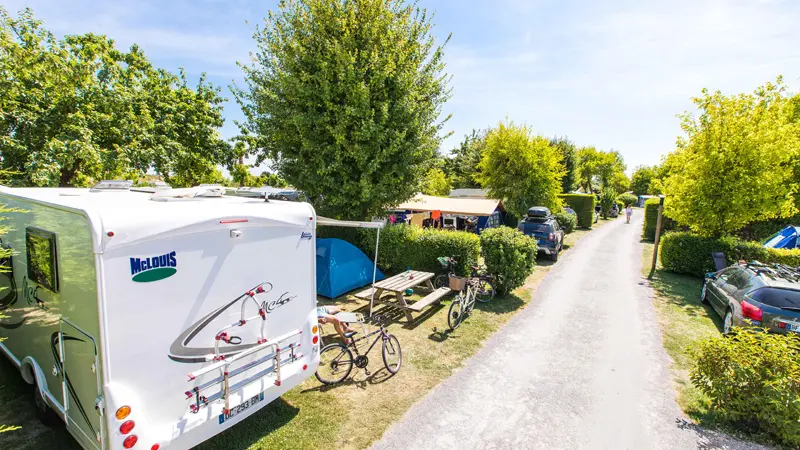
778 298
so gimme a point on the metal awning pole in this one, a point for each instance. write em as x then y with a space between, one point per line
374 272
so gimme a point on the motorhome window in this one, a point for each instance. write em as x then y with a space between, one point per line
40 246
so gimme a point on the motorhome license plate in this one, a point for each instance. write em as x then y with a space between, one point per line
242 407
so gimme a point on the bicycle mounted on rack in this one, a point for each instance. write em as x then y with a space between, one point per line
336 360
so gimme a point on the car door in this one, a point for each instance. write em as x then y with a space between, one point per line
559 235
737 281
716 289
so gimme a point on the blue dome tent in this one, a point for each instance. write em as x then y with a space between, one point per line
786 238
342 267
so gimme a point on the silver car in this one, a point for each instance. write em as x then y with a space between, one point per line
755 294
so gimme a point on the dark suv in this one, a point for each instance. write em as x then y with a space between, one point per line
755 294
541 225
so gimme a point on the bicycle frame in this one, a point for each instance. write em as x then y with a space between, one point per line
354 342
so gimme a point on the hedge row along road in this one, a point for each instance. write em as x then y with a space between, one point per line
581 367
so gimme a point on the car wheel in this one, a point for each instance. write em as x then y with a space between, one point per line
554 256
704 294
727 322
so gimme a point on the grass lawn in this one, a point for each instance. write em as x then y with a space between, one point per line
351 415
685 321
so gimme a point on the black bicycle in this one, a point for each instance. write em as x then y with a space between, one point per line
336 360
483 283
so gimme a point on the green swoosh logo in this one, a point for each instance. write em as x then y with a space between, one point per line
154 274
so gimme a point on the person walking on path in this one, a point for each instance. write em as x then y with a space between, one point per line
628 212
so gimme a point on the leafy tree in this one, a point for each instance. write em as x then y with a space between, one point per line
436 183
569 157
733 165
345 97
462 166
76 110
619 182
608 166
607 200
642 177
522 169
588 159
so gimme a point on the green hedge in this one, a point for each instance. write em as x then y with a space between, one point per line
566 221
583 204
760 231
684 252
509 255
404 246
628 199
753 381
651 220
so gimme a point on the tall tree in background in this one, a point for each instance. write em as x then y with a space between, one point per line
521 169
642 177
608 166
588 159
735 163
345 97
569 157
462 165
76 110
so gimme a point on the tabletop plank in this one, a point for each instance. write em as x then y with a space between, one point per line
402 281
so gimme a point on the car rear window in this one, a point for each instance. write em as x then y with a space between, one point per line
778 298
533 226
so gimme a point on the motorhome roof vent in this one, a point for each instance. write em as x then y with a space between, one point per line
188 193
112 186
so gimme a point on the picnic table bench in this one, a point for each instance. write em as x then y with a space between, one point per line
398 285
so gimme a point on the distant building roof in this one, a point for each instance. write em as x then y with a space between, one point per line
468 193
461 206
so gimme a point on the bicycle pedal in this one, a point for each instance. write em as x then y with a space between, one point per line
366 372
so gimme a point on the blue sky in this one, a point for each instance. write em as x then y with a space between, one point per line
611 73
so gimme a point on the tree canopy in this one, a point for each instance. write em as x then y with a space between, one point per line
599 169
76 110
436 183
345 98
521 169
641 180
462 164
735 163
569 158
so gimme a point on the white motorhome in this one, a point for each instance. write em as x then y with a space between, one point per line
154 320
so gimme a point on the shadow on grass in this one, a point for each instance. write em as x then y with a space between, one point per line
252 429
684 291
358 378
502 304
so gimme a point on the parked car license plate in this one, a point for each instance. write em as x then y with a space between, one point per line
240 408
793 326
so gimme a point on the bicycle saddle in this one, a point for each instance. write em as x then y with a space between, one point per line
350 334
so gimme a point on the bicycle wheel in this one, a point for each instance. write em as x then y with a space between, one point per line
441 281
335 363
484 290
392 355
455 313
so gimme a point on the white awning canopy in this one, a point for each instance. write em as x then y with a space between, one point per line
458 206
326 222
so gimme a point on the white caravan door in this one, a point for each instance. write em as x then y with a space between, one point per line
79 365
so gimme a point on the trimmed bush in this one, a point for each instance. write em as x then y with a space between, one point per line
651 220
583 204
404 246
685 252
628 199
566 221
753 381
509 255
760 231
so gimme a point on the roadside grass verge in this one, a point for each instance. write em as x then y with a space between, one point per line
685 321
351 415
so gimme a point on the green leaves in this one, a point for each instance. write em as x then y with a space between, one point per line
753 378
436 183
77 110
642 179
509 255
737 162
345 99
522 169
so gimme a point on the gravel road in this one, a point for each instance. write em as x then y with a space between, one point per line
581 367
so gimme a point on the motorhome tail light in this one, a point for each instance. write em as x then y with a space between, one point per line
315 339
123 412
155 447
110 234
751 311
233 221
130 441
305 366
314 329
127 426
551 237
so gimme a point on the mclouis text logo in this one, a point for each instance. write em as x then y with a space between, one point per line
154 268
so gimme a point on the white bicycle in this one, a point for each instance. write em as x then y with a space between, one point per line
464 302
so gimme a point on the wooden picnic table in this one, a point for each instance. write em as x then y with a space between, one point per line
398 285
